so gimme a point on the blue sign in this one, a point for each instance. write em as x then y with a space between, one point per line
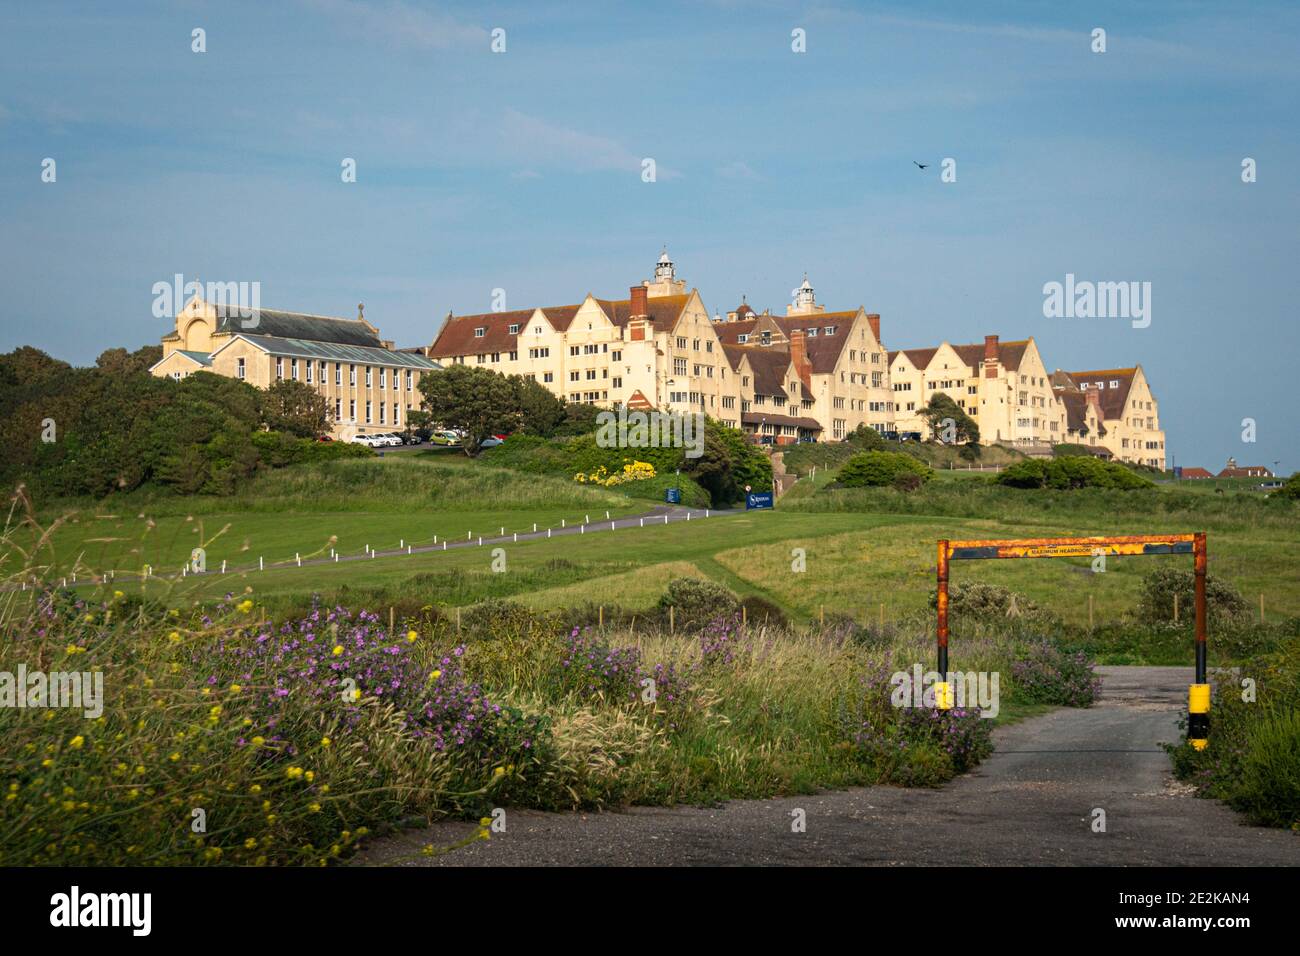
758 499
673 496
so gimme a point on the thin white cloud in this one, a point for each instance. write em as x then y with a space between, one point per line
739 170
566 148
400 25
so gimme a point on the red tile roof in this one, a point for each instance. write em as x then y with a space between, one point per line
1196 473
457 335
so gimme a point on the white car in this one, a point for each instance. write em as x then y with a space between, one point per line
387 439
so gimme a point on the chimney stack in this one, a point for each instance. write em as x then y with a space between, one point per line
799 356
1094 399
990 356
873 320
637 306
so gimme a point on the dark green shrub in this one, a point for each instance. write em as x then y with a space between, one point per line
696 601
875 468
987 602
759 611
1223 603
1070 472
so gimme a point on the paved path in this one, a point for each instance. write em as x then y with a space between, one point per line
1030 803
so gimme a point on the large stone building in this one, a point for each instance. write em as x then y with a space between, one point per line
369 387
1003 386
807 374
1127 416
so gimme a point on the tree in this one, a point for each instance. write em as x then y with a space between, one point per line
940 411
294 407
866 438
474 400
540 410
121 362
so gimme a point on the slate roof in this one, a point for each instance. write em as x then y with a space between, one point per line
203 358
299 325
757 418
1098 380
331 352
823 350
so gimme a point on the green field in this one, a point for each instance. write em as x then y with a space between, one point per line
868 552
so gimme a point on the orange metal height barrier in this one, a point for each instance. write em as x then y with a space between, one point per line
1198 697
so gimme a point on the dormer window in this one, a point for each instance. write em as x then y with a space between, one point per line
1114 383
480 332
514 329
812 333
830 329
742 339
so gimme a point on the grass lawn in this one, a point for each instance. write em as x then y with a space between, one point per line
862 548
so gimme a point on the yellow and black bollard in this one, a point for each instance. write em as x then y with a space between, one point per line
942 689
1198 695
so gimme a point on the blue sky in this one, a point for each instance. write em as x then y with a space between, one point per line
522 171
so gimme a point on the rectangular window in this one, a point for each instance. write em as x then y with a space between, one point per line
309 373
338 373
480 332
383 378
239 368
293 369
352 380
338 409
279 368
381 413
368 379
367 413
410 379
352 409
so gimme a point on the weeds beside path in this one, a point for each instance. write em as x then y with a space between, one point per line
1031 803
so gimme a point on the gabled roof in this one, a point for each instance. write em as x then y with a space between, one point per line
1010 355
920 358
664 310
298 325
1196 473
1076 410
823 350
1098 380
329 351
203 358
458 334
770 367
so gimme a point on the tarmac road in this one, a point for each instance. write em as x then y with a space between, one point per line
1031 803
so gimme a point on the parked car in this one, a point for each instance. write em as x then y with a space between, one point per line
367 440
445 438
388 439
491 441
411 438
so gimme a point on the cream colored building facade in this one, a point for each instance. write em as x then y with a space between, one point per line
368 386
1124 415
810 373
1003 386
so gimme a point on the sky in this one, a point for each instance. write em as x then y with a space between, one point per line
523 170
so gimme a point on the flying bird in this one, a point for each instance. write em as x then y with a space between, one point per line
920 165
